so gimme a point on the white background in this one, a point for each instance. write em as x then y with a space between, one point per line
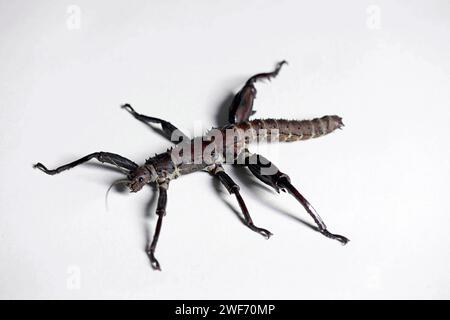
383 181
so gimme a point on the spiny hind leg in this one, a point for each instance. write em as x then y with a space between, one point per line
241 107
233 188
268 173
169 130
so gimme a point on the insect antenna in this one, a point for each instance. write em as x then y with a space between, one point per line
121 181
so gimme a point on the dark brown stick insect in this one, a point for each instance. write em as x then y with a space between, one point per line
227 144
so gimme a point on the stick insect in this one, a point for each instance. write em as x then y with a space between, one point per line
225 145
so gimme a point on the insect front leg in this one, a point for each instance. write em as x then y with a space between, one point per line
233 188
168 129
160 212
104 157
241 107
268 173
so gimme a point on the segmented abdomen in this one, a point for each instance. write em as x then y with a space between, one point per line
290 130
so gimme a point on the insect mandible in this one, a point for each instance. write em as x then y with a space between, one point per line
224 145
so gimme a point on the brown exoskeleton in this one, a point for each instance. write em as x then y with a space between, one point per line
227 144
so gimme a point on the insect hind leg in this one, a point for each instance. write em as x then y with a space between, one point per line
268 173
241 107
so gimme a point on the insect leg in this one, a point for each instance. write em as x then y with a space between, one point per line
233 188
268 173
160 212
104 157
168 129
241 107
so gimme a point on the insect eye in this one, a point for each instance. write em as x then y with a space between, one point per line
140 179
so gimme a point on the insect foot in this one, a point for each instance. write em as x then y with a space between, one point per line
153 261
41 167
343 240
265 233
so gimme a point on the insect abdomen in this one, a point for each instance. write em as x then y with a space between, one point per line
291 130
